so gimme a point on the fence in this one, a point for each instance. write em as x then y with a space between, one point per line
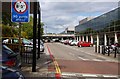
25 53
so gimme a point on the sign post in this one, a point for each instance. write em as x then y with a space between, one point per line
20 10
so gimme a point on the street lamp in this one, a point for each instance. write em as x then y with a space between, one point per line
46 29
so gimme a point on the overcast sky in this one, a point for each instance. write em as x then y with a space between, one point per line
58 15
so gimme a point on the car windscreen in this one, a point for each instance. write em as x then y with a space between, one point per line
5 48
25 41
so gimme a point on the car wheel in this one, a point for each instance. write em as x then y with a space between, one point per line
80 46
43 50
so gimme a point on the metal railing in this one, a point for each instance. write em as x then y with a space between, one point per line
25 53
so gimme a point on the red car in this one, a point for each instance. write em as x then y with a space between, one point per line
84 44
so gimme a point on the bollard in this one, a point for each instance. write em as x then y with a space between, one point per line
95 48
103 50
99 49
108 50
115 52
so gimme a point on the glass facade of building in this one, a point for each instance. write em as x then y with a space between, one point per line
108 22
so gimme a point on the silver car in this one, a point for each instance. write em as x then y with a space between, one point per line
41 45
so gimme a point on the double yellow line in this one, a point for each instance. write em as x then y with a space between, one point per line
57 68
58 71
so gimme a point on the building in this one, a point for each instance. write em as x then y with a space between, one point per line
85 20
70 30
102 30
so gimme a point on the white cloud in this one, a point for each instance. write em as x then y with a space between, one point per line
79 0
59 15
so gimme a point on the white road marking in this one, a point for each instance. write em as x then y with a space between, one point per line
82 58
96 60
89 75
110 76
68 74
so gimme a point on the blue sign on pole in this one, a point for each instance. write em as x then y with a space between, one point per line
20 10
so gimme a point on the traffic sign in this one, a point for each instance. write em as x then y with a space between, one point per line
20 10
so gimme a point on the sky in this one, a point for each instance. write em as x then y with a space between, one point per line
58 15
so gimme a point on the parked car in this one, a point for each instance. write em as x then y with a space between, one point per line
66 42
9 73
69 41
62 41
84 44
9 58
41 45
13 43
74 43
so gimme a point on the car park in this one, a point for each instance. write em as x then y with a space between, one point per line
84 44
9 73
9 58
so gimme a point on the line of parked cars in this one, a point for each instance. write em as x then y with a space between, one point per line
27 45
110 48
77 43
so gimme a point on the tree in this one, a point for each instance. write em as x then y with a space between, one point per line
28 28
6 19
8 31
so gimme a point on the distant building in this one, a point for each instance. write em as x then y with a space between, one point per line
70 30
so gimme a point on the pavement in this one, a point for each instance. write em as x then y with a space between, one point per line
41 68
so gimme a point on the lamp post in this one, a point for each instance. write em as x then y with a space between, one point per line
39 27
46 29
34 36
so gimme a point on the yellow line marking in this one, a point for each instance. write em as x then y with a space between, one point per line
57 68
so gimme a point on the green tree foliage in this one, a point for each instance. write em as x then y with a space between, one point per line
6 19
8 31
28 28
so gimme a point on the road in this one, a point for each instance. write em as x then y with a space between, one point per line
80 62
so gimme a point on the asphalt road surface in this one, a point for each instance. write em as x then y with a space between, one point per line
73 62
